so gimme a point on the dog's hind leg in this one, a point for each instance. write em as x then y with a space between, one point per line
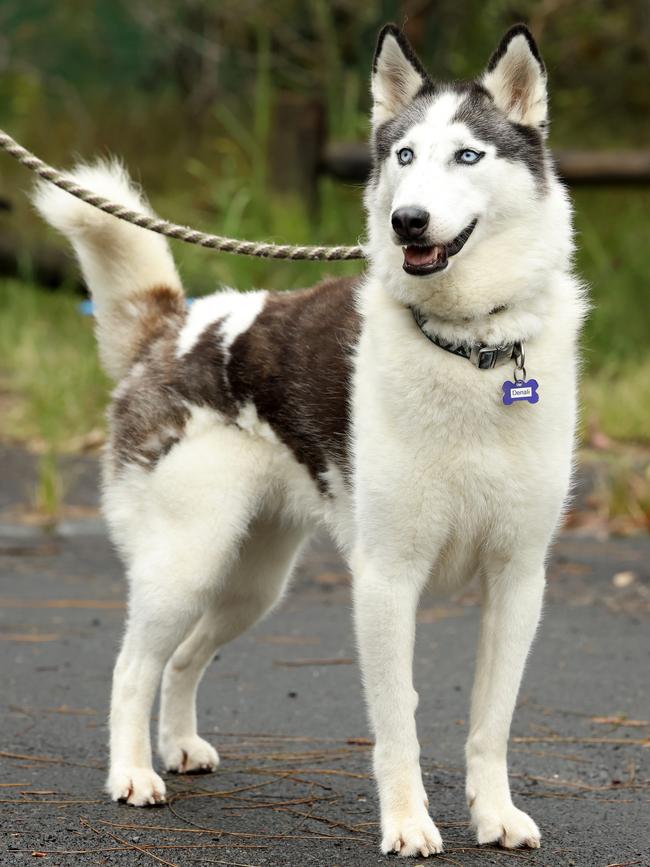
158 618
254 585
511 609
183 526
168 591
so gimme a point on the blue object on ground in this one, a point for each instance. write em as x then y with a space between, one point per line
87 308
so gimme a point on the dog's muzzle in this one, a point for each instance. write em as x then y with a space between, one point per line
421 260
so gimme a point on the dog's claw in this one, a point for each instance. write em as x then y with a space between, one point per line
138 787
413 836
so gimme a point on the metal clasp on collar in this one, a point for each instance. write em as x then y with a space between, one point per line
483 357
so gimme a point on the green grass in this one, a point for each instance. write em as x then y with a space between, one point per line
612 227
237 209
54 389
612 255
616 400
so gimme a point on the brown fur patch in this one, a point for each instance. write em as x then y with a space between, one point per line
146 418
294 364
157 309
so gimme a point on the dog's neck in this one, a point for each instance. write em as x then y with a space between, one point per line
521 320
515 309
491 296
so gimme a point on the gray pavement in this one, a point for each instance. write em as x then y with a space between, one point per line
283 706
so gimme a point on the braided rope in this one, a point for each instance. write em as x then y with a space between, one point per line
173 230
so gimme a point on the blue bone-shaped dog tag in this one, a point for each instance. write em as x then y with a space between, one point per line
520 390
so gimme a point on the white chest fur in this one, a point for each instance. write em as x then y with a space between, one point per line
442 466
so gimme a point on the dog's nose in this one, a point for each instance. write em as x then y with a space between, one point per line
409 223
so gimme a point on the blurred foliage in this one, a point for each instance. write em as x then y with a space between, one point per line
207 53
53 389
186 91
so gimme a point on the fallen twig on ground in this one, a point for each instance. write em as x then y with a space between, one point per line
548 755
60 803
218 832
333 823
129 845
297 663
63 709
565 739
148 846
50 760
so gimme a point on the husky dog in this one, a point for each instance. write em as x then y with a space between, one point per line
375 406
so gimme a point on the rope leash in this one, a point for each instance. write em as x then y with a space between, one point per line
173 230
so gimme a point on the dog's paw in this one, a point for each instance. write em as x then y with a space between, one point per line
139 787
189 755
411 836
509 827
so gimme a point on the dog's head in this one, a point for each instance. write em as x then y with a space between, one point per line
462 187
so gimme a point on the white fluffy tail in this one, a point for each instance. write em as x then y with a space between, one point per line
122 264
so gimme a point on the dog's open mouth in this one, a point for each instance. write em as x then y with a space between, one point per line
420 260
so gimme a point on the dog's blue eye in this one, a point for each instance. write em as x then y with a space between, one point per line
468 157
404 156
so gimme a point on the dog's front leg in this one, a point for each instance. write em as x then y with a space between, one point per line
512 602
385 605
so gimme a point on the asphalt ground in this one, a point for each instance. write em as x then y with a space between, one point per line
283 706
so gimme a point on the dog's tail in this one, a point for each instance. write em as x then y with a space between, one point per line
130 271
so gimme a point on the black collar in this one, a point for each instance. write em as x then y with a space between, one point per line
481 356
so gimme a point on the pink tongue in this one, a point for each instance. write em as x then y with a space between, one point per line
421 256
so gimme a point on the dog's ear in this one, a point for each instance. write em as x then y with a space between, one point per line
516 78
397 74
